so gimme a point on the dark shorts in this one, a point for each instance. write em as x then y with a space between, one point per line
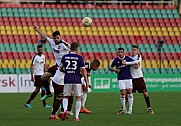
139 85
58 89
38 81
52 69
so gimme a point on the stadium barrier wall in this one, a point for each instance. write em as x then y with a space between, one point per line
13 83
154 82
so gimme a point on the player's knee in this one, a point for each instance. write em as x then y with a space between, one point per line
145 93
59 97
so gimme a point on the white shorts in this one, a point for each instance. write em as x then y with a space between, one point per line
68 89
125 84
83 82
58 78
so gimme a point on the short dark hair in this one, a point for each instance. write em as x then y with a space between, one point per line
74 46
55 33
96 62
121 48
39 46
134 46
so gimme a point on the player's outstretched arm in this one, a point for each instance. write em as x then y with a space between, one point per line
84 73
43 35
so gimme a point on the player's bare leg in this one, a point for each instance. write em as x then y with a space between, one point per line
83 101
33 95
45 78
147 100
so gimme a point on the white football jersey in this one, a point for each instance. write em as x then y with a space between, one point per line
59 50
137 73
58 78
38 62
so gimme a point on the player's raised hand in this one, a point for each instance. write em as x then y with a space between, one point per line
35 27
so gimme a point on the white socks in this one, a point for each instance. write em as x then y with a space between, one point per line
83 99
130 101
77 107
65 104
123 101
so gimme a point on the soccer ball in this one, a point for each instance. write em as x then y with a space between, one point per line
86 21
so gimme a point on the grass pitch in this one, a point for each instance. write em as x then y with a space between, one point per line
104 106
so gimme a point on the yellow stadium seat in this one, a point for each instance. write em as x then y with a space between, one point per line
123 29
42 28
153 33
135 29
143 64
25 28
165 33
26 32
99 28
13 28
172 64
77 28
113 33
136 33
159 33
164 29
54 28
117 29
169 29
130 33
111 29
177 33
71 28
96 33
154 64
105 64
152 29
148 64
171 33
158 29
128 29
94 28
19 28
20 32
32 32
165 64
148 33
175 29
105 28
178 63
8 27
140 29
48 28
146 29
8 32
78 33
107 33
71 33
89 33
180 29
2 27
118 33
142 33
124 33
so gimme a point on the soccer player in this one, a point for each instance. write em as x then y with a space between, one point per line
137 74
37 69
94 65
124 79
58 84
72 65
60 48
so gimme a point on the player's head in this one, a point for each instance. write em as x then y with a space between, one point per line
121 53
134 50
74 46
56 37
95 64
40 49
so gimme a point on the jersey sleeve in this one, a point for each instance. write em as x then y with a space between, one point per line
82 63
131 61
113 63
51 41
33 59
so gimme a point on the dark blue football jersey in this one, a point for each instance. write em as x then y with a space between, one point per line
124 70
72 63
